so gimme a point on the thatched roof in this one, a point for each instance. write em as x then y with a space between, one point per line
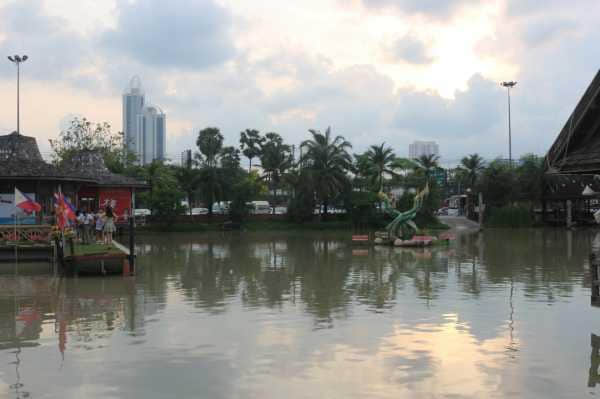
90 165
20 158
577 147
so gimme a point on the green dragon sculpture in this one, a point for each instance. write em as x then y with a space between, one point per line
403 221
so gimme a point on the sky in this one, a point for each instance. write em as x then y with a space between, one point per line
376 71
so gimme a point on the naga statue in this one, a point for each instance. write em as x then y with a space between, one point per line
403 225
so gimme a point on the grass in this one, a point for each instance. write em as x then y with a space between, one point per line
95 249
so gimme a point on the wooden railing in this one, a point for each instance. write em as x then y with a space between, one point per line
29 233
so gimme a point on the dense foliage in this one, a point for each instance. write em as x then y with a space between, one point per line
325 179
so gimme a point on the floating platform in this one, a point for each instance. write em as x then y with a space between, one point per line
97 259
26 252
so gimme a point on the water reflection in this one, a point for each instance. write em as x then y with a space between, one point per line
307 315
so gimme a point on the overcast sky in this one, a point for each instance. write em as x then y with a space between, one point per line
373 70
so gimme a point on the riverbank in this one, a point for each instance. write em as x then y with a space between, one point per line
267 225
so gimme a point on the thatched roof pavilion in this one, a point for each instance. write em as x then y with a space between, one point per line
577 147
85 179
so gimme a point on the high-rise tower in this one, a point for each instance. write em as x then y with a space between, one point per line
133 104
144 126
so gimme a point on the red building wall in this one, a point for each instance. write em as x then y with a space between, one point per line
118 198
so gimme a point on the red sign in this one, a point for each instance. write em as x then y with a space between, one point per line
119 200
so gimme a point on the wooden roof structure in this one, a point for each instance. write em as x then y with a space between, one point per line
20 159
576 150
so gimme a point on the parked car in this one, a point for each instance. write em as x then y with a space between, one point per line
199 211
442 211
261 207
280 210
142 212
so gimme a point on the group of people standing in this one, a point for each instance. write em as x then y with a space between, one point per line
96 227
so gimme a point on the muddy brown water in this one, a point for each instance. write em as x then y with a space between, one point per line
502 313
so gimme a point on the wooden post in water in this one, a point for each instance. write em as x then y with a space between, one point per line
594 378
594 265
481 209
569 214
132 243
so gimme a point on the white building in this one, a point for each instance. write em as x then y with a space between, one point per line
144 126
419 148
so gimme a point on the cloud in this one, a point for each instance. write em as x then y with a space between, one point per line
435 8
175 33
544 30
410 49
471 113
55 51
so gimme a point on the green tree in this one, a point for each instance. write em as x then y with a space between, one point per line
276 159
210 144
189 181
328 161
497 183
251 142
84 135
247 187
529 176
165 195
473 165
427 164
230 158
380 159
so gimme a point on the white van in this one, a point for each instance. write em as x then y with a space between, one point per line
261 207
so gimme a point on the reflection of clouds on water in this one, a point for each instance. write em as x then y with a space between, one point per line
299 315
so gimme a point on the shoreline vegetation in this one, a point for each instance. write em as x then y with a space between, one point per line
273 225
323 173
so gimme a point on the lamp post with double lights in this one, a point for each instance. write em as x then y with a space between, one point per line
509 85
17 60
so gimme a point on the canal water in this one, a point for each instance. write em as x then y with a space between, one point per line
503 313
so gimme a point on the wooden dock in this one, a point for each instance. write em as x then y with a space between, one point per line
97 259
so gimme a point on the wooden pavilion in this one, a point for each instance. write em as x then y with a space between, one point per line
573 163
85 180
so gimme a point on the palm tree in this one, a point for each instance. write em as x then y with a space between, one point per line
328 161
210 143
427 164
380 159
276 159
251 142
473 165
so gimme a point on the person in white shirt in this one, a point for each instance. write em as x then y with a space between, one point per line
88 223
80 218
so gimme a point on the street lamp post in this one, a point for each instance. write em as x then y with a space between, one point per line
509 85
17 60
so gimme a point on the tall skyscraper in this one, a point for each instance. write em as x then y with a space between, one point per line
133 104
144 125
419 148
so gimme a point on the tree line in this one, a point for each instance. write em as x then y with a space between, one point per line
322 173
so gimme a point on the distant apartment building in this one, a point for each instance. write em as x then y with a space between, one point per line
419 148
186 159
144 126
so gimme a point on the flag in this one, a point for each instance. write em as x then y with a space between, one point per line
64 210
24 202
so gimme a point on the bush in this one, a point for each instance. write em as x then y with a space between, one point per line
509 216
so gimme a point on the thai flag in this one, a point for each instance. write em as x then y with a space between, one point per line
25 203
